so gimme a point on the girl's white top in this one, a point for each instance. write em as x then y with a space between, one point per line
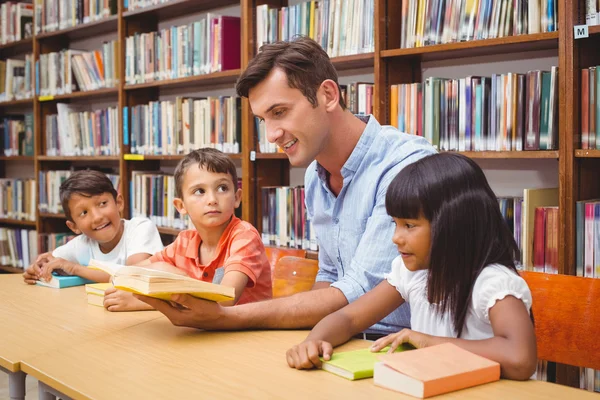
494 283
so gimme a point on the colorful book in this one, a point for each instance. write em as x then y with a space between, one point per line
356 364
61 282
161 284
434 370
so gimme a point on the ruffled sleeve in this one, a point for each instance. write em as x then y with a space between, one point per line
495 283
400 277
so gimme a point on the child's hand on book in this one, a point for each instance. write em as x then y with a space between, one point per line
306 354
409 336
34 272
68 267
119 300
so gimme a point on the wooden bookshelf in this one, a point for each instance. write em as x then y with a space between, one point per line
78 158
504 45
17 222
587 153
354 62
177 157
16 158
17 103
271 156
168 231
18 46
12 270
82 31
52 215
594 30
511 154
177 8
104 92
216 78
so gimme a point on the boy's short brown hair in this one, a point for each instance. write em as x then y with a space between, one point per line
211 159
86 183
304 62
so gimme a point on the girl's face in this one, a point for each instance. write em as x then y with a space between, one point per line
413 238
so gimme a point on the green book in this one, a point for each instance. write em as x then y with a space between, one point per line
356 364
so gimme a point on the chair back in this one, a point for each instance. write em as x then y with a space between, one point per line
293 275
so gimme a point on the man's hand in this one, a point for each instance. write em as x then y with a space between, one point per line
186 310
409 336
119 300
306 354
68 267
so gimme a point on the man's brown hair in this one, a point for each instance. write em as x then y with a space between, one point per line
85 183
210 159
304 62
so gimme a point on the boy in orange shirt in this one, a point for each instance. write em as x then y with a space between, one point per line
223 249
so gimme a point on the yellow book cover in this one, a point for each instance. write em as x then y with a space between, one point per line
97 288
161 284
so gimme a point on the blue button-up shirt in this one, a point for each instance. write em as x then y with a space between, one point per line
353 230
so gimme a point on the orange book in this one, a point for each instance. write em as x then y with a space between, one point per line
434 370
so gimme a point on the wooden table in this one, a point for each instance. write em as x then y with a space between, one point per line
37 320
156 360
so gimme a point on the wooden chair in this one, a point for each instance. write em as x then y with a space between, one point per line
293 275
566 311
274 254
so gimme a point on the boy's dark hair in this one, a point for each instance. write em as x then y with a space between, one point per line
304 62
468 231
86 183
211 159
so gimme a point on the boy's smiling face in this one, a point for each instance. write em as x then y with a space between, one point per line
209 198
97 217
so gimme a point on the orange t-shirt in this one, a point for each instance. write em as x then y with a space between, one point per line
240 249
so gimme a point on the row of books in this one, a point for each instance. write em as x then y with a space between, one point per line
178 127
16 22
341 27
209 45
69 70
430 22
16 78
18 247
504 112
592 12
50 241
49 184
587 250
545 240
132 5
53 15
590 108
285 221
18 199
17 135
82 133
358 97
511 209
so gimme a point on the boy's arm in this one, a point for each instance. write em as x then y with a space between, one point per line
73 268
136 259
164 266
237 280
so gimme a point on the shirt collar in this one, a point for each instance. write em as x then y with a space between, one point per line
194 243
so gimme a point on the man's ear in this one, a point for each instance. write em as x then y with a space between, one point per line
120 203
73 226
330 94
238 198
178 203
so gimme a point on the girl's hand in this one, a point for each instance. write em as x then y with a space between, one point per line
306 354
394 340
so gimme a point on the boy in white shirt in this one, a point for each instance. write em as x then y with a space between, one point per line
93 210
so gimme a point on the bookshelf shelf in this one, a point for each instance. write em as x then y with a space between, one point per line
508 44
17 222
354 61
82 31
511 154
168 231
216 78
177 8
13 103
579 153
78 158
52 215
271 156
594 30
177 157
16 158
18 46
105 92
12 270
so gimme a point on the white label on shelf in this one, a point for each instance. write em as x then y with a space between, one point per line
581 31
252 155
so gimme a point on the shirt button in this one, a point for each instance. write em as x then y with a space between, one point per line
339 259
336 220
205 274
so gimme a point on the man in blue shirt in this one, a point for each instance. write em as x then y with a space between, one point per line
292 88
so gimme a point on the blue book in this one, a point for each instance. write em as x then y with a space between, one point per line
60 282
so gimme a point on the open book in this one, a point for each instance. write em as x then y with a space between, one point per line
161 284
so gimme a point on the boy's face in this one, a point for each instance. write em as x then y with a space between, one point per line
291 121
209 198
97 217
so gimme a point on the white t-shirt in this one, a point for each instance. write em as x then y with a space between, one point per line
139 236
494 283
